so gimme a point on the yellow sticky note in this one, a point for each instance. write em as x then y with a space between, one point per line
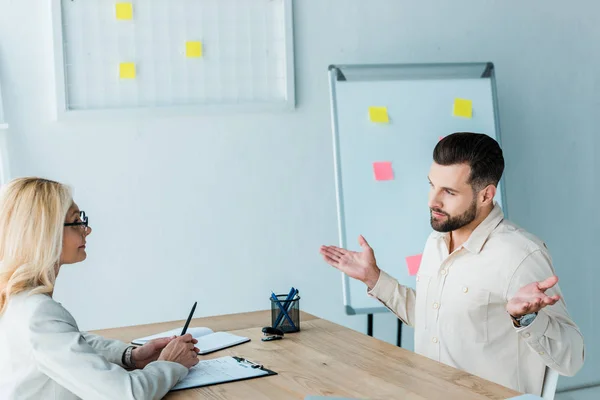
463 108
378 114
127 70
124 11
193 49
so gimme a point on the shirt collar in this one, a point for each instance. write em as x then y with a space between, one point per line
481 233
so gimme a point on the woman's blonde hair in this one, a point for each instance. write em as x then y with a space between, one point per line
32 216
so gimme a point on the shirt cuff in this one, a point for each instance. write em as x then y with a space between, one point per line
384 288
537 329
119 352
533 334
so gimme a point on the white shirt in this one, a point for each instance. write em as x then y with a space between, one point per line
43 355
459 308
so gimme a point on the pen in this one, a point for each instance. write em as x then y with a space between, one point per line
187 323
288 299
283 311
288 305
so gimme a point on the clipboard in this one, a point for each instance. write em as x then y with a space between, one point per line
221 370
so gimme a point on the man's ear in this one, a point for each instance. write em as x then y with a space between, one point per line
486 195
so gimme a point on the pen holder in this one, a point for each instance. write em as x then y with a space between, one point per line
288 318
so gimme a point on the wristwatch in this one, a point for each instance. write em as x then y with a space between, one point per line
127 358
524 320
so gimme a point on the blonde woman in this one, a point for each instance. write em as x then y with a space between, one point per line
43 355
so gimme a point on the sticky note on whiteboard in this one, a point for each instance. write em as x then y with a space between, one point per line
379 115
124 11
413 263
193 49
127 70
383 171
463 108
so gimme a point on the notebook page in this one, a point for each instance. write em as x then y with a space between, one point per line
218 341
195 332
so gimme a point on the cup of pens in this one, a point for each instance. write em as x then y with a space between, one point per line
285 311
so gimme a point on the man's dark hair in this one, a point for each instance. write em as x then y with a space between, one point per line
479 151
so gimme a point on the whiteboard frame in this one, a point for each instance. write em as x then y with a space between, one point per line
63 113
379 72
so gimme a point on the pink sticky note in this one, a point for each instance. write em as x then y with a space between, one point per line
413 262
383 171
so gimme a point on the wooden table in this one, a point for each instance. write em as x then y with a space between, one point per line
325 359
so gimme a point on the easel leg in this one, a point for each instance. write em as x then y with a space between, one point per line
399 337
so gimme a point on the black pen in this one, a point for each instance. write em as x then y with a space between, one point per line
187 323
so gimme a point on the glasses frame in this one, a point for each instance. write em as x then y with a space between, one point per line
84 221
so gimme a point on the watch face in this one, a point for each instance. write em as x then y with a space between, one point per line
527 319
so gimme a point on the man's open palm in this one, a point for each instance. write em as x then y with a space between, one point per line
357 265
532 298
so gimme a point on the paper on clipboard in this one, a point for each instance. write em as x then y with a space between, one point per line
220 370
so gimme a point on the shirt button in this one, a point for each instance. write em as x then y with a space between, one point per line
417 278
443 272
436 305
527 335
541 353
434 340
465 289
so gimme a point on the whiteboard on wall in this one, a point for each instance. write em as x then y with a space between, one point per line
173 53
393 215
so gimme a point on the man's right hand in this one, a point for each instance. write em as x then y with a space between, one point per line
357 265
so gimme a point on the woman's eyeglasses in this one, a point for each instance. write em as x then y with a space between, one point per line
83 221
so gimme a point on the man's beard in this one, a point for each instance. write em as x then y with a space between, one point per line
453 223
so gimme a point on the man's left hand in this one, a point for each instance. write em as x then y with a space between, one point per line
532 298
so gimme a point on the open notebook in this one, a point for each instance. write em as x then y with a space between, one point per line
208 341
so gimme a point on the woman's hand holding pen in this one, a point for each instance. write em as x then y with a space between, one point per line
181 350
150 351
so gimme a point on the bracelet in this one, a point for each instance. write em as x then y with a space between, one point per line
127 358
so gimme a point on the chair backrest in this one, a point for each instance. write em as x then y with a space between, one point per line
550 382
